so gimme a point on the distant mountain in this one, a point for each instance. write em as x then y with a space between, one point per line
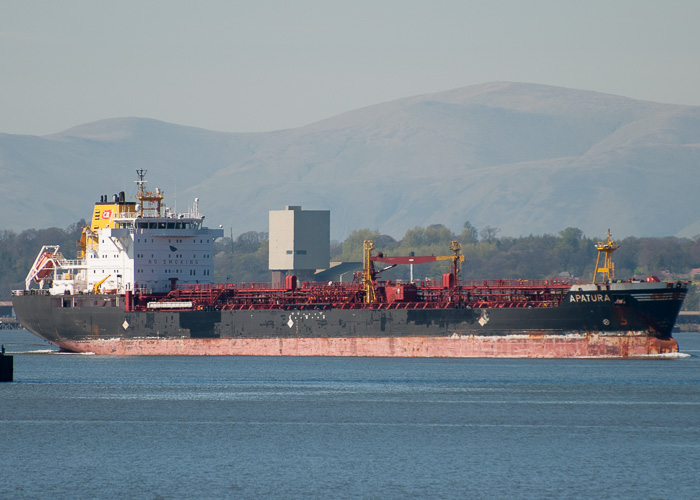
528 159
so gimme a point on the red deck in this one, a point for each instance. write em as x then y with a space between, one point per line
390 295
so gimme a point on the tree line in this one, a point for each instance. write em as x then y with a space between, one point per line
487 255
568 253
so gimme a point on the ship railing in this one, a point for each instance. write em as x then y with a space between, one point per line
247 305
72 263
490 283
260 286
520 283
188 216
425 284
33 291
126 215
238 286
307 302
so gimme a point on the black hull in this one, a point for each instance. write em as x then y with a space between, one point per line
88 317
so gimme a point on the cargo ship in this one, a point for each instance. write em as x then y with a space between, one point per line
142 284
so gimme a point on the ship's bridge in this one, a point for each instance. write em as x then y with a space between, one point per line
169 223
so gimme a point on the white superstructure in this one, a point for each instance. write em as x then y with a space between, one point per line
132 246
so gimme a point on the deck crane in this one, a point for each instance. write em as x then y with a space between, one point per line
370 273
605 250
96 288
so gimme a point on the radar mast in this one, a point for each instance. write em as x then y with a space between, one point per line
149 201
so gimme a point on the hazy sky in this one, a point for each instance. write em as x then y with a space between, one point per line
248 66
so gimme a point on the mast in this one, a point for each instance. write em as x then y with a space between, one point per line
456 247
605 249
153 199
368 275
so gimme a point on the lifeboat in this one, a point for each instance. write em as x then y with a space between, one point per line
44 267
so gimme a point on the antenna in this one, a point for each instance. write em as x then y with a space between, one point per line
141 173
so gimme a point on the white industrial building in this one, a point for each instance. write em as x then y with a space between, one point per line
300 242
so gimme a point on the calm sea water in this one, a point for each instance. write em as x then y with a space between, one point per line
84 426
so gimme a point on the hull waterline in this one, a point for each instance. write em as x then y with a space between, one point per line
526 346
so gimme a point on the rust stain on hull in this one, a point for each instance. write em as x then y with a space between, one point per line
548 346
